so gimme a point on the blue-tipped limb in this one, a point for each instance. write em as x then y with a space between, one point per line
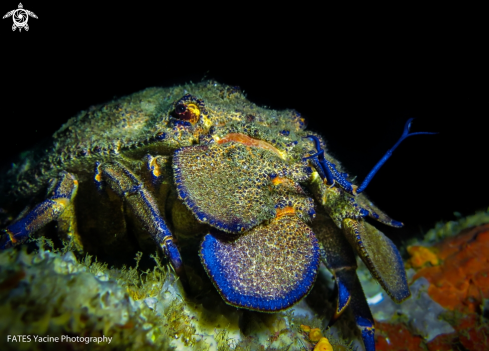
48 210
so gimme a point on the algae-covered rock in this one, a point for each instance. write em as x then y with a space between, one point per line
451 228
47 295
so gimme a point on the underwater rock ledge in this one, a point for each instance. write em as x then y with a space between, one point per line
52 294
449 279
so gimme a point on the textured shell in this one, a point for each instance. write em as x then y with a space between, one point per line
131 127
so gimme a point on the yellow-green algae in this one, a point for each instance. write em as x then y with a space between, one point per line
446 229
50 292
47 293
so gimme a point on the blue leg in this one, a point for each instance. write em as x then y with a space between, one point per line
322 165
352 292
50 209
125 184
337 254
343 298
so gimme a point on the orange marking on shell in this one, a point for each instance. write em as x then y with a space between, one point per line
278 180
305 328
98 177
246 140
288 210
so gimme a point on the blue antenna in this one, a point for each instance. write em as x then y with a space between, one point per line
328 171
388 154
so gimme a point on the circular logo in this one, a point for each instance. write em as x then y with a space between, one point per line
20 17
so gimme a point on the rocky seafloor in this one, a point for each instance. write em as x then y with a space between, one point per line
84 303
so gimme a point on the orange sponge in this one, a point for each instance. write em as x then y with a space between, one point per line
461 281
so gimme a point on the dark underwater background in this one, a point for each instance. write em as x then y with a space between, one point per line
355 73
355 78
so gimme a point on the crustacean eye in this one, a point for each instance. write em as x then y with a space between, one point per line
189 109
180 109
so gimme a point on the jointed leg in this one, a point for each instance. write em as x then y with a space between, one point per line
338 256
53 208
157 167
348 280
125 184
